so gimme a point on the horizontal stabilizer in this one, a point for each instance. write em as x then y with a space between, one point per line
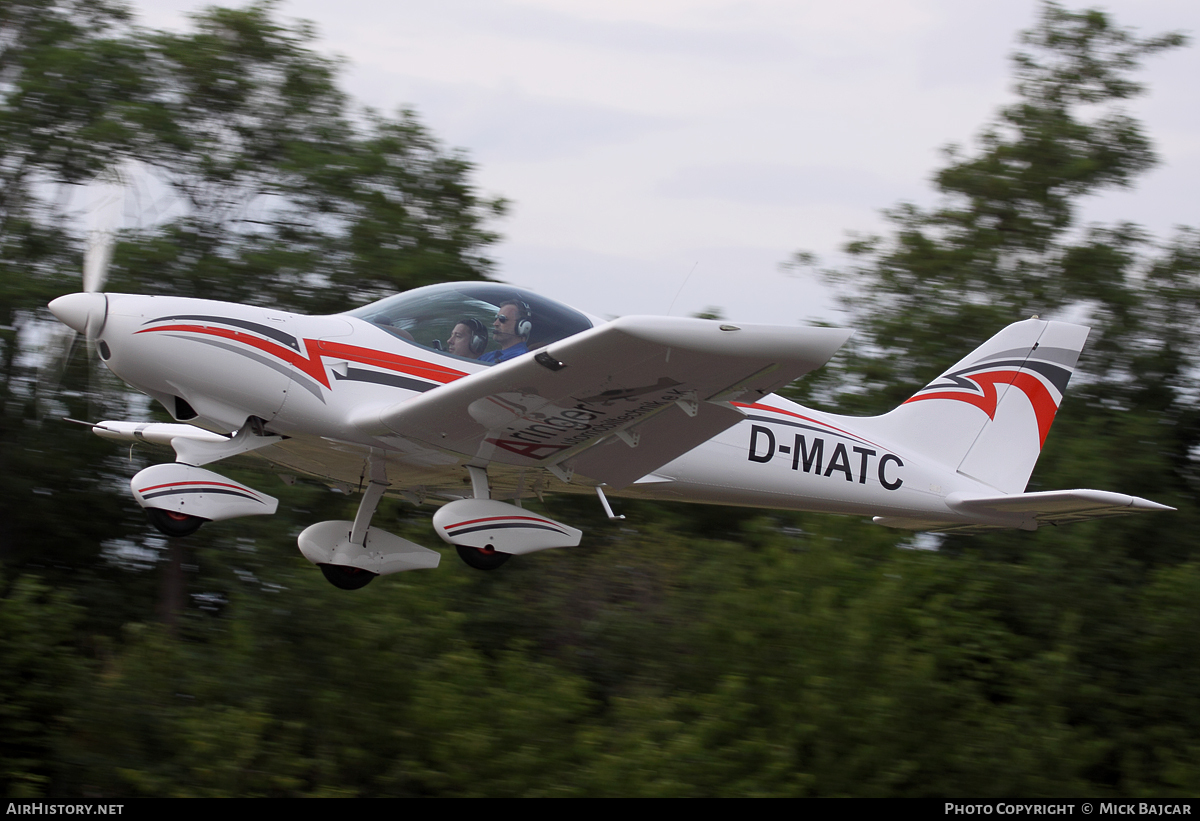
1026 511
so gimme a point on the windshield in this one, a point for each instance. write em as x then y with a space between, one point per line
484 321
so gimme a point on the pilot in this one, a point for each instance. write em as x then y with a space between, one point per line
511 328
468 339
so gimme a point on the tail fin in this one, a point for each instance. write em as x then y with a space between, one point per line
988 416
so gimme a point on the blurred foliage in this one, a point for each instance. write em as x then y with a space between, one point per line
686 651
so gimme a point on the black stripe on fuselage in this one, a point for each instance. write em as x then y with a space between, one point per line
376 377
264 330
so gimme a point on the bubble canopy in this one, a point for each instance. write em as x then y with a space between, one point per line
428 316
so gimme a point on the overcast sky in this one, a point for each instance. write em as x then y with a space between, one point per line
689 147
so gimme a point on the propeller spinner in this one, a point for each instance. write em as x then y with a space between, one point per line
82 312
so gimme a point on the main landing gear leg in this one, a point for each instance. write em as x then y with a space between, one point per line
349 577
352 554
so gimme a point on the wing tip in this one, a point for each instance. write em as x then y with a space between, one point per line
1138 503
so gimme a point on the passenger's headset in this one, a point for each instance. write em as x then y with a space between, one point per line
479 337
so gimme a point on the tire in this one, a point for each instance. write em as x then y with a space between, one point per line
175 525
344 577
482 558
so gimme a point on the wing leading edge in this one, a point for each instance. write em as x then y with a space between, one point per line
614 402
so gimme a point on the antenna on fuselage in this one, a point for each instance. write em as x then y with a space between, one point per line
681 287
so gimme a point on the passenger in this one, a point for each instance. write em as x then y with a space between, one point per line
511 328
468 339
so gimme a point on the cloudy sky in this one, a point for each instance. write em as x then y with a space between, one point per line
669 155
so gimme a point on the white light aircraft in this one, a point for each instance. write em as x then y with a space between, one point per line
476 396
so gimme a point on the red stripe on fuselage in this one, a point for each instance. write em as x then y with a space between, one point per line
393 362
313 366
310 365
846 433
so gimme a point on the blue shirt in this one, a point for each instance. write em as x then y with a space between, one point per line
504 354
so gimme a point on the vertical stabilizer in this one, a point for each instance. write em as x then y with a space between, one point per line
988 416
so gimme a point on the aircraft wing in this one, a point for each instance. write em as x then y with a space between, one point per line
1029 510
612 403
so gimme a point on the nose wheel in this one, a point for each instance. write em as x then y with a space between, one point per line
173 523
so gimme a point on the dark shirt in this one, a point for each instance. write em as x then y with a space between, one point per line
504 354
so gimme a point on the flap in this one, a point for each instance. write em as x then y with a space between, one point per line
547 407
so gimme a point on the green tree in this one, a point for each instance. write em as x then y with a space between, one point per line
1004 243
282 193
43 672
68 74
292 198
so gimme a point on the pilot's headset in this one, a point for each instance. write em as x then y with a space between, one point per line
524 319
479 335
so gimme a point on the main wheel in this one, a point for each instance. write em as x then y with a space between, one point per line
173 523
346 577
482 558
